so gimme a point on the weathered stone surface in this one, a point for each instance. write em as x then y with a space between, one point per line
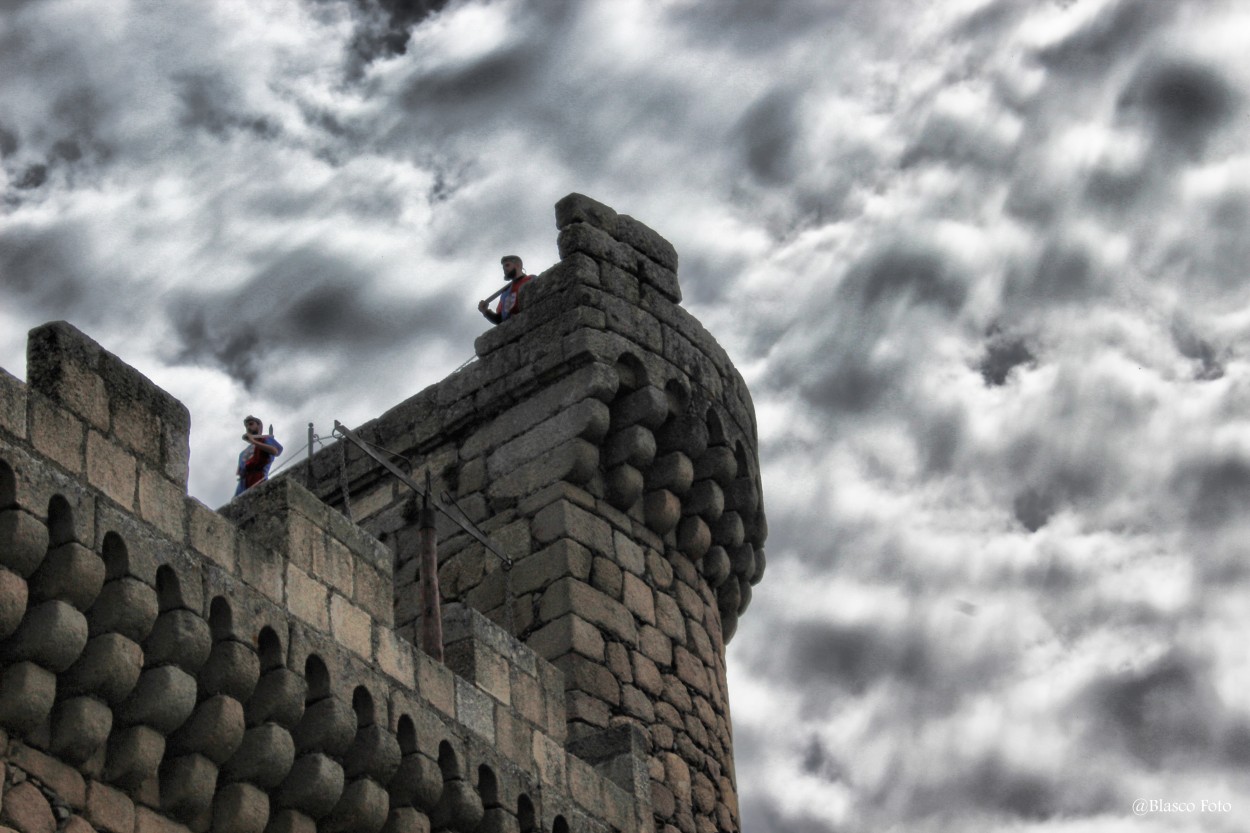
459 807
578 208
278 698
14 597
662 510
363 807
418 782
232 669
23 541
181 638
214 730
761 562
693 537
163 699
715 566
374 753
133 756
264 757
634 445
313 786
52 634
327 726
624 486
187 786
240 808
80 726
109 667
26 810
71 573
126 606
108 809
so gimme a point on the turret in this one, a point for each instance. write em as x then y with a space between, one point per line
605 443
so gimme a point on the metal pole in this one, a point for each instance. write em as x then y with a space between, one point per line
308 479
431 611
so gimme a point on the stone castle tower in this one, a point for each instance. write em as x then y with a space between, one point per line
165 667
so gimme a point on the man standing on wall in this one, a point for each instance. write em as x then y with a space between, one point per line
510 297
254 461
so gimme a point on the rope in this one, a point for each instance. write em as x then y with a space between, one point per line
294 454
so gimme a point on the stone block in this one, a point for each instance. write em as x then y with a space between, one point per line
80 726
307 598
112 469
278 698
475 709
232 668
568 633
290 821
689 669
26 810
418 782
56 433
264 757
263 569
52 634
374 753
351 626
606 576
108 809
125 606
662 510
394 656
459 807
624 486
638 598
715 566
586 420
214 730
363 807
162 502
655 645
578 208
240 808
436 683
71 573
150 821
634 445
729 531
550 760
212 535
374 593
328 725
562 559
133 756
12 405
313 786
23 541
56 775
14 596
572 596
178 637
567 520
576 461
669 618
335 567
163 699
188 784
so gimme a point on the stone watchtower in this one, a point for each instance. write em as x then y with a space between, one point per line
607 445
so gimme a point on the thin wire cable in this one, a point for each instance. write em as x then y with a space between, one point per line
294 454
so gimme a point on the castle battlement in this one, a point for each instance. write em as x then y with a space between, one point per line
167 667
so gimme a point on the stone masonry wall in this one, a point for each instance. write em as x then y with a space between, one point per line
606 443
165 667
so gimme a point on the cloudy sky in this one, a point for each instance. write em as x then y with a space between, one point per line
981 262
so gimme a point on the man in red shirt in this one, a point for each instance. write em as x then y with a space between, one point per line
510 298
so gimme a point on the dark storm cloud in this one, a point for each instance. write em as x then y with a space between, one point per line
766 812
755 26
1063 272
50 269
1183 101
1215 491
1207 364
383 27
1004 352
1118 28
897 290
209 103
310 302
8 142
1033 509
768 132
1167 713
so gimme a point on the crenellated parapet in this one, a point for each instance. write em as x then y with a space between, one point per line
165 667
606 443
